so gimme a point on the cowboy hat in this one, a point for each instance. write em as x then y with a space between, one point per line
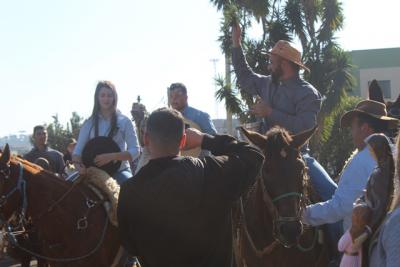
287 51
371 108
100 145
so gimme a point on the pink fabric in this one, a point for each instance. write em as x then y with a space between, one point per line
346 245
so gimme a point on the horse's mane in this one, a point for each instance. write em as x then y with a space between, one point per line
31 167
396 190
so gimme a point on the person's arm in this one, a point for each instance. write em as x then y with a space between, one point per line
391 241
249 81
351 185
131 140
305 118
234 167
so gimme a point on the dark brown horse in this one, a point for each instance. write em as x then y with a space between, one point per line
267 226
70 222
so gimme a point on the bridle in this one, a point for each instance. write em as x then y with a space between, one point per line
277 219
20 186
5 224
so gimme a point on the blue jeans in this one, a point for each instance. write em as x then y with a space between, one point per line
325 188
123 175
320 179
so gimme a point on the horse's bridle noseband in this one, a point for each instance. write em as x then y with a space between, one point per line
277 219
19 186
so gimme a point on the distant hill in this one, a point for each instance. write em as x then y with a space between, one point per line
19 144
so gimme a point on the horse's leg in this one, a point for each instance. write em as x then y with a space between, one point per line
26 262
42 263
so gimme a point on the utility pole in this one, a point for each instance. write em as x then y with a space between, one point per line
214 61
228 82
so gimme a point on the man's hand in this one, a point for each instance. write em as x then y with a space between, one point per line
261 109
236 36
194 138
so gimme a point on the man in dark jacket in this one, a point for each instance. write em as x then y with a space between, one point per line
41 151
176 210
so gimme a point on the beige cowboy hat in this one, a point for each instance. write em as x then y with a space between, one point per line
287 51
371 108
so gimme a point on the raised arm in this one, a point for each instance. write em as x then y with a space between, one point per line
249 81
233 168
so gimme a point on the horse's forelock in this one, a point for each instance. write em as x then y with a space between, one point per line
277 139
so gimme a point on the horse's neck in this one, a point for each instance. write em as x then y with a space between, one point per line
42 190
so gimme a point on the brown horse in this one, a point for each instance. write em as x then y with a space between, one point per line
70 222
267 228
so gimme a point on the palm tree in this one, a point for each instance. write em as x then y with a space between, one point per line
313 22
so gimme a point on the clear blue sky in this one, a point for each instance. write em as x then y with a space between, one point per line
52 53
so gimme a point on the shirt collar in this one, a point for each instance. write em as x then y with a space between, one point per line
292 81
46 148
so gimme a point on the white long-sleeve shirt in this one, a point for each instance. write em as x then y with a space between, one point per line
125 137
351 185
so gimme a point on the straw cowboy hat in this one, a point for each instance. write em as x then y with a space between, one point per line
371 108
100 145
286 50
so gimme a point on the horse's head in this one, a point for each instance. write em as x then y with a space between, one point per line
284 179
375 93
393 108
7 183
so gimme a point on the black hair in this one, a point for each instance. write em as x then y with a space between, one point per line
165 126
178 86
38 128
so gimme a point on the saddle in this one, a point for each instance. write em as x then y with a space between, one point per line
104 186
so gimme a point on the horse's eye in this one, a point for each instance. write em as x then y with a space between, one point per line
283 153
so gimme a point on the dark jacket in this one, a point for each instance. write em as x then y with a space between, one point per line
176 210
54 157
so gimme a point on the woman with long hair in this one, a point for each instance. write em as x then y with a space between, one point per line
385 249
107 120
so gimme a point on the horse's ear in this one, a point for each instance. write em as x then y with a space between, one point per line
397 102
255 138
301 138
375 92
5 156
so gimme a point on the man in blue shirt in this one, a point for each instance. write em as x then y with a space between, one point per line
367 118
178 99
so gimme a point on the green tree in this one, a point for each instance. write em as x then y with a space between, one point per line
314 23
58 136
336 143
75 122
